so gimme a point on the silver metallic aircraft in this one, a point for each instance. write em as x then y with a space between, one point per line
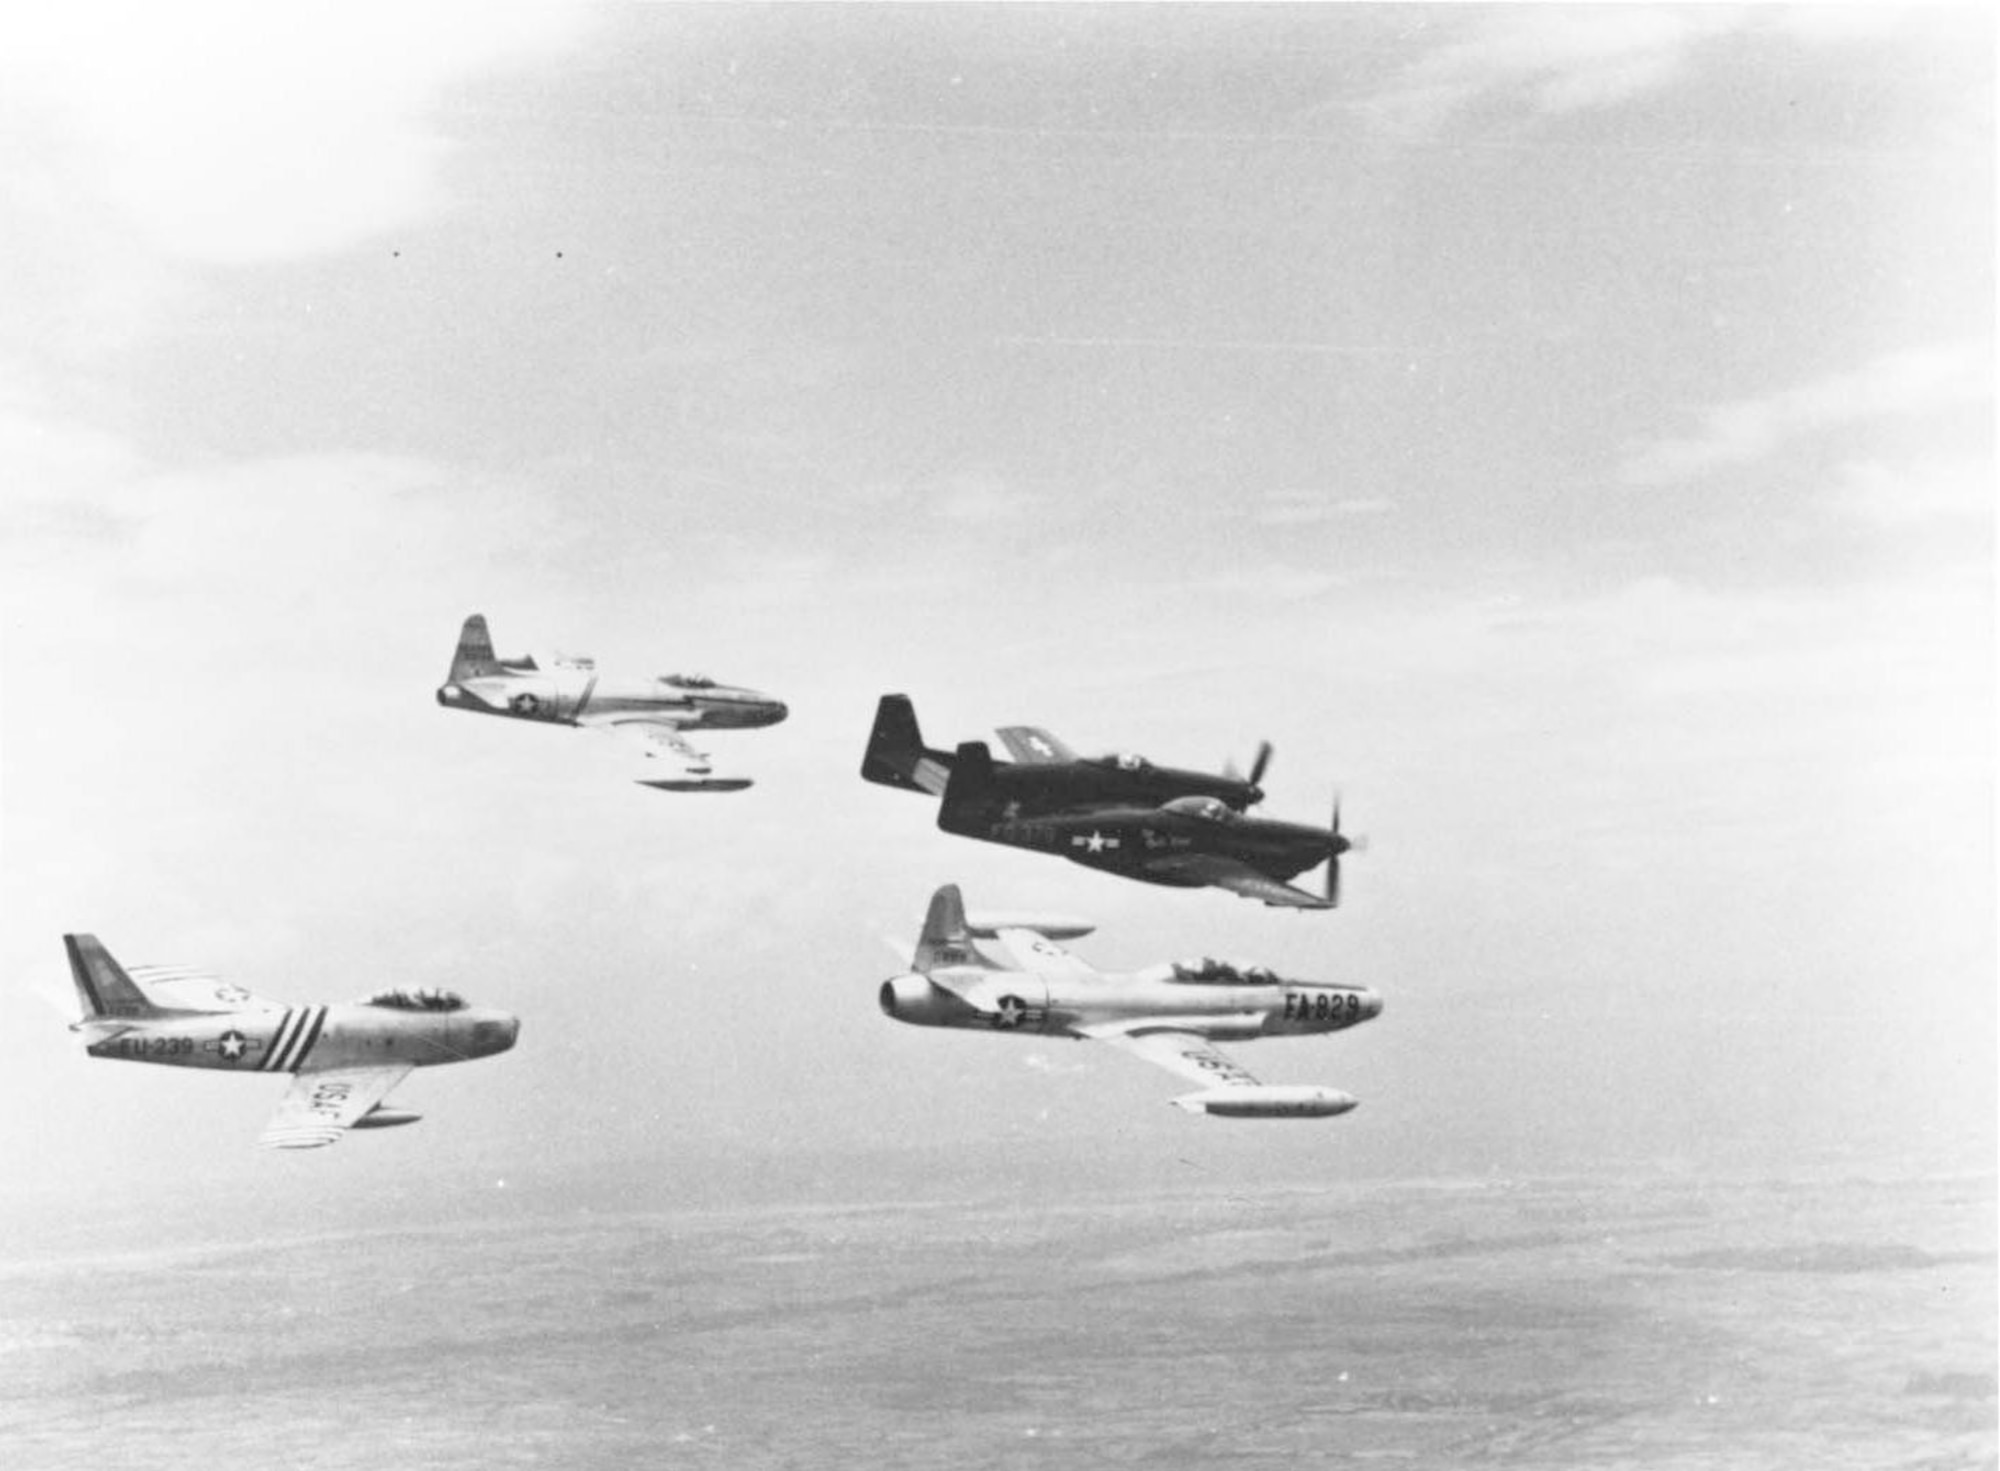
343 1059
1169 1015
570 691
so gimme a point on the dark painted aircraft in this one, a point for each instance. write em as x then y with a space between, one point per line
1046 775
1187 842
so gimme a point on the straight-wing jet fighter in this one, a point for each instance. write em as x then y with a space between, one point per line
569 691
343 1059
1046 775
1168 1015
1189 842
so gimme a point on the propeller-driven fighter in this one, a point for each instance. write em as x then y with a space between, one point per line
569 691
343 1059
1168 1015
1189 842
1046 775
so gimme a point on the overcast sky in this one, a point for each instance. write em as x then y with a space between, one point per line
1566 431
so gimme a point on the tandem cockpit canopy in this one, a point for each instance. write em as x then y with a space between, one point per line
1209 971
688 681
425 1000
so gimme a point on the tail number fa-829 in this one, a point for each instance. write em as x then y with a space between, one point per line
1321 1006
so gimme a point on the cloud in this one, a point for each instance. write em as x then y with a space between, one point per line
1561 59
1901 384
1312 508
239 132
1898 498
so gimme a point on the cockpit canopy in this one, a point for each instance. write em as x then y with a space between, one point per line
688 681
1214 809
1209 971
574 661
425 1000
1130 761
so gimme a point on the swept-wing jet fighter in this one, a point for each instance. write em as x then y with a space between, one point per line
1189 842
343 1059
569 691
1046 775
1168 1015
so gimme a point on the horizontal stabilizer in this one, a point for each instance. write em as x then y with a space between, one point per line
987 924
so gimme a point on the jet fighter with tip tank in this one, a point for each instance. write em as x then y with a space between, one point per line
1168 1015
654 712
343 1059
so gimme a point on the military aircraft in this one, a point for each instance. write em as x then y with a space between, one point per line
1046 775
1188 842
343 1059
1168 1015
570 691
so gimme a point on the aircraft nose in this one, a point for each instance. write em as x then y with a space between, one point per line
495 1034
1371 1005
775 711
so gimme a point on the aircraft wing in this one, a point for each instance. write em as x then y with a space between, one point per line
1239 877
1037 954
689 771
179 988
1185 1053
321 1106
1033 746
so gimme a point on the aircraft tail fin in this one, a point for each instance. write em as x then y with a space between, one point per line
946 938
897 755
102 985
474 657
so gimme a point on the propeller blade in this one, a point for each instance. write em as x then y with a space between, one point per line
1259 762
1336 847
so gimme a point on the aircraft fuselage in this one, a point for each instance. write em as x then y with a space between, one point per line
281 1039
565 695
1133 842
1009 1000
1108 782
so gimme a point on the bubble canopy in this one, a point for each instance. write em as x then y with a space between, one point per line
401 1000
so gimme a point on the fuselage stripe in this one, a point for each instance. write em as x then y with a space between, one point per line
281 1040
312 1036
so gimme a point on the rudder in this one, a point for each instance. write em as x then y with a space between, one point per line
897 755
101 983
474 657
946 939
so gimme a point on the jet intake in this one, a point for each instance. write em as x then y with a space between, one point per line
912 998
1269 1101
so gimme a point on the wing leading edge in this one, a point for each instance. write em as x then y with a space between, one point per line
662 739
1222 872
1229 1090
319 1107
